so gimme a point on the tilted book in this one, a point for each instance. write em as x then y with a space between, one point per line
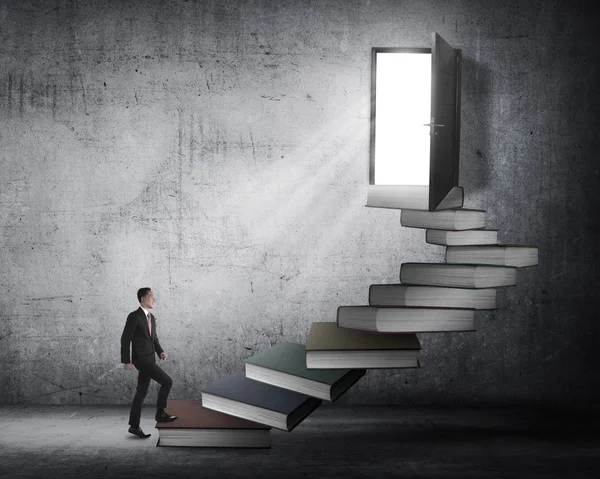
198 426
256 401
284 366
331 347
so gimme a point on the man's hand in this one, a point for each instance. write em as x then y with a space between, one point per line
129 366
164 355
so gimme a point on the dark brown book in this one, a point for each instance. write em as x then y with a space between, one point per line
197 426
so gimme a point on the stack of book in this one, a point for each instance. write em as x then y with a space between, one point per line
284 384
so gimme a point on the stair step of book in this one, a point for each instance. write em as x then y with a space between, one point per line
197 426
405 319
331 347
410 196
503 255
259 402
452 219
461 237
284 366
431 296
458 275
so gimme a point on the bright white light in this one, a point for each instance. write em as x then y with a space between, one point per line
403 106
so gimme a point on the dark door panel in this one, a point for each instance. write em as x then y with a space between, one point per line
445 120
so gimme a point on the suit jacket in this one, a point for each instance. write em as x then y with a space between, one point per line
144 344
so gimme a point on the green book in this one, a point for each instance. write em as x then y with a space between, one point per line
284 365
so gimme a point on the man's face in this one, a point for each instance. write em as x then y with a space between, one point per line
148 301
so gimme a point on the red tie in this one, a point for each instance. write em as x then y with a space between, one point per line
149 325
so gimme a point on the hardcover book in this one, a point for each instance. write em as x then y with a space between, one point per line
458 275
503 255
410 196
198 426
405 319
331 347
256 401
455 219
284 366
462 237
431 296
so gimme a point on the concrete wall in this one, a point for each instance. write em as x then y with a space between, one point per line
219 151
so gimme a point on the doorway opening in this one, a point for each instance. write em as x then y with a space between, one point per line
415 126
403 106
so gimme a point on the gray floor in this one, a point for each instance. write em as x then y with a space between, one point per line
335 441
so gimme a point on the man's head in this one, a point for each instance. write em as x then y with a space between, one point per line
146 298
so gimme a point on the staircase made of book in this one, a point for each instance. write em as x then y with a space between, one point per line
284 384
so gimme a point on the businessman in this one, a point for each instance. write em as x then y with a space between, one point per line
140 332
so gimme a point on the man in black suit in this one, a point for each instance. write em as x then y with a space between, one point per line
140 331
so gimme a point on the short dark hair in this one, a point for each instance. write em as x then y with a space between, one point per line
143 292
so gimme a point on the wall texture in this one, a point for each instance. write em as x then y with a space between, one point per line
218 152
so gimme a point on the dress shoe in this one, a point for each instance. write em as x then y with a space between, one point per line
163 416
137 431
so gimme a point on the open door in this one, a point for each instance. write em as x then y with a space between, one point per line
412 88
445 120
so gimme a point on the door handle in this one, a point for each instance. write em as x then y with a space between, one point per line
432 124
